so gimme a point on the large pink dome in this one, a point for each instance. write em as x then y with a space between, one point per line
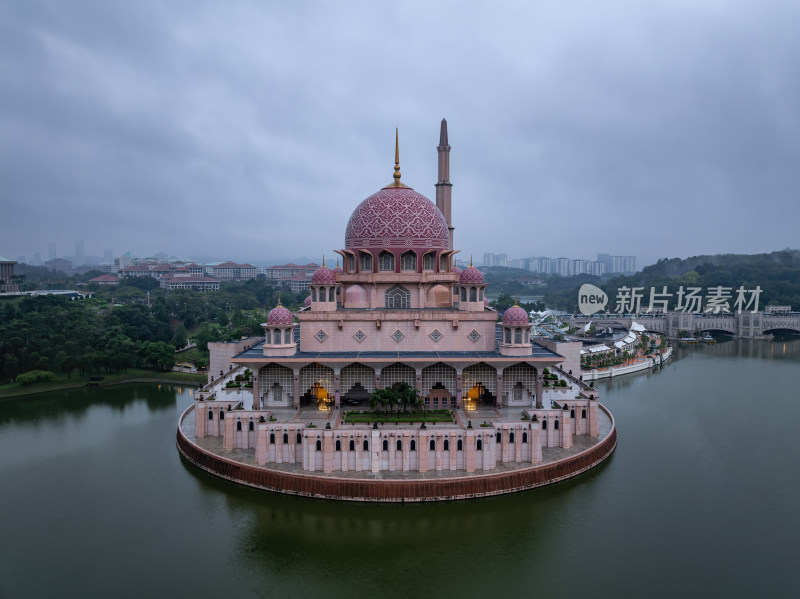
471 276
515 316
323 276
307 301
397 217
279 317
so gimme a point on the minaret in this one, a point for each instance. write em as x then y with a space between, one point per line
443 186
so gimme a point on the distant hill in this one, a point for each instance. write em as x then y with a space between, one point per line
777 273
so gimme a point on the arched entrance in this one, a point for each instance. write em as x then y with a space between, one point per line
357 384
479 382
519 385
439 386
316 387
276 383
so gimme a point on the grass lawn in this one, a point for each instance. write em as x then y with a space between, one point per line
133 375
190 355
355 417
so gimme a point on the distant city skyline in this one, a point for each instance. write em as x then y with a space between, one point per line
658 129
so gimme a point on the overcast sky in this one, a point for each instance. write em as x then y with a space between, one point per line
251 130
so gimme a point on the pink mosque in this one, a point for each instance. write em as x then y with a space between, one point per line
398 311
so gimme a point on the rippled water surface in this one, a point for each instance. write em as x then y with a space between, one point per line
701 497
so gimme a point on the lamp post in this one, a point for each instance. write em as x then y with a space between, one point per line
148 299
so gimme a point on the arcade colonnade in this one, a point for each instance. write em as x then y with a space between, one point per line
401 449
441 384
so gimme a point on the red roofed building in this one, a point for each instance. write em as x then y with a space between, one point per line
106 280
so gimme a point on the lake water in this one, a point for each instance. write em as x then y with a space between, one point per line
701 497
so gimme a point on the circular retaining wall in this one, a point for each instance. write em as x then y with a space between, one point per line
444 489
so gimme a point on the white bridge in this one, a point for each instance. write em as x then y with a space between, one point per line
746 324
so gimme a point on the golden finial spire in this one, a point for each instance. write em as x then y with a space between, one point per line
515 300
396 182
470 260
279 298
323 260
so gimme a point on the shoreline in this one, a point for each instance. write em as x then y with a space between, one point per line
67 385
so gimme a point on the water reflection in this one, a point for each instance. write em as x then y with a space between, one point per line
75 403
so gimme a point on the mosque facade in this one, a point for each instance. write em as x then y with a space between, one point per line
398 311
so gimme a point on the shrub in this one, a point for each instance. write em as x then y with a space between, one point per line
35 376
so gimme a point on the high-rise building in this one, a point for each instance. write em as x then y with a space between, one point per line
80 256
107 256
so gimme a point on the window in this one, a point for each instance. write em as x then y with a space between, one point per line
446 445
508 335
583 413
322 294
238 425
313 294
276 335
432 445
480 445
319 445
525 437
572 413
527 337
511 437
385 445
351 263
544 425
413 445
398 297
442 263
480 294
299 439
386 261
463 294
352 445
473 294
272 438
222 414
436 401
338 445
499 437
517 335
366 263
365 445
408 261
285 438
269 337
427 262
555 425
460 445
211 415
251 426
332 294
399 445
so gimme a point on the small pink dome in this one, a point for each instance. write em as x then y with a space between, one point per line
486 302
515 316
279 317
307 302
324 276
456 270
356 294
471 276
337 268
